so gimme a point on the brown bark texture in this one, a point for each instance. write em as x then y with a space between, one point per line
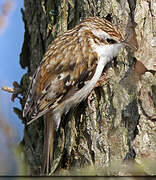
117 135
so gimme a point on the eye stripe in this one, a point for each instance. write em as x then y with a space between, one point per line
111 41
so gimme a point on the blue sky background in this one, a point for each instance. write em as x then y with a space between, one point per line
11 40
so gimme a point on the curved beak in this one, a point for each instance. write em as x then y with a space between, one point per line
130 45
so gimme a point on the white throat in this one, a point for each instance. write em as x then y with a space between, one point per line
106 51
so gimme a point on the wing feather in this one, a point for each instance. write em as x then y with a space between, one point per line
63 71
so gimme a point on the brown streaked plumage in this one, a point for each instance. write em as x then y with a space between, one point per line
70 68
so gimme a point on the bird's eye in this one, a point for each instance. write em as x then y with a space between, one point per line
111 41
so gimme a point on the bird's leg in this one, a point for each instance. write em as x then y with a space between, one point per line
102 80
48 142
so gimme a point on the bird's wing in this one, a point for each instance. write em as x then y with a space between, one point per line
67 64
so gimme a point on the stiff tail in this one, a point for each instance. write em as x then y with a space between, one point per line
48 142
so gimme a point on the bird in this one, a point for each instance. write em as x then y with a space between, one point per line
68 72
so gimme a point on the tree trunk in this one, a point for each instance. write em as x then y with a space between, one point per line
117 134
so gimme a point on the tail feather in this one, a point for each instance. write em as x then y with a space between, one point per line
48 142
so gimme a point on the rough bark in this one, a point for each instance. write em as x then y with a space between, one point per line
117 136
